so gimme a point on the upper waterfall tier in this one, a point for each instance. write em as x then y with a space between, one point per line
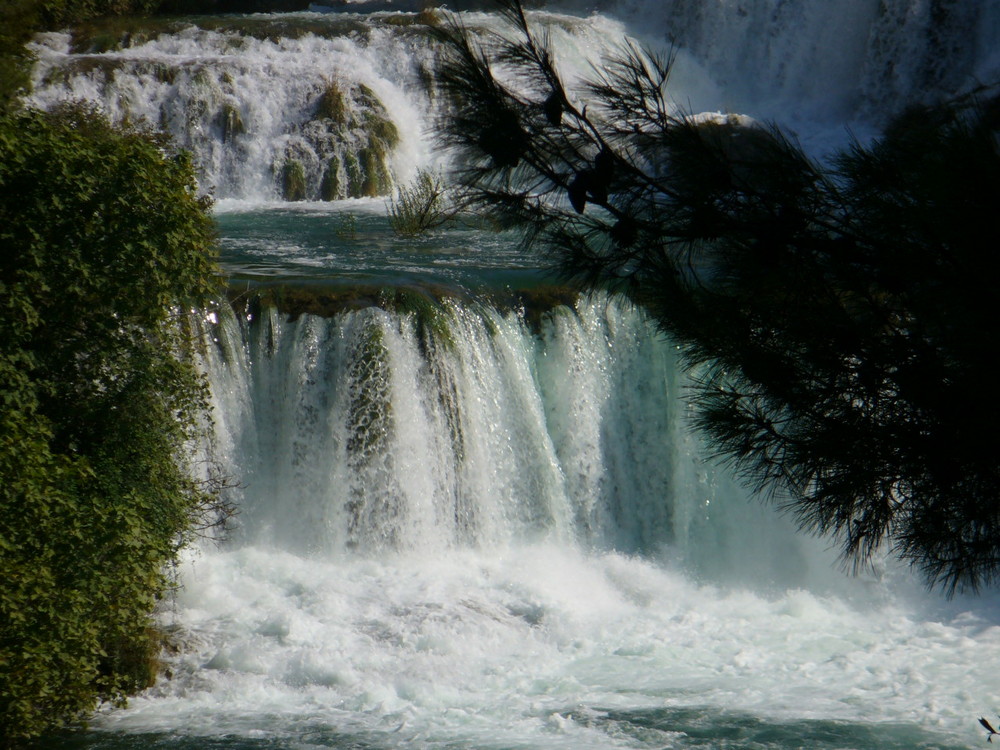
271 110
321 106
293 107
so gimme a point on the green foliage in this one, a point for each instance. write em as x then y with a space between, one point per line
104 246
18 21
838 318
421 206
329 188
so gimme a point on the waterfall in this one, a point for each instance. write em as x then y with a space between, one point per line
466 523
296 107
267 116
462 427
316 106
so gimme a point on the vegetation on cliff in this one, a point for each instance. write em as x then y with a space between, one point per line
105 249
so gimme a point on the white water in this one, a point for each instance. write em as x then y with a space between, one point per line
196 83
354 436
817 66
506 539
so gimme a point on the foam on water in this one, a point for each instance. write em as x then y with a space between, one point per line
538 646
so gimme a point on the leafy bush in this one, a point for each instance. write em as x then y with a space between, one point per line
104 246
420 206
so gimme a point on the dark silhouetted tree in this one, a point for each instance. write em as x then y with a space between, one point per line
838 319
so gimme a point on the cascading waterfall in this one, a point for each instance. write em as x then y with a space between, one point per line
267 117
381 432
308 107
467 524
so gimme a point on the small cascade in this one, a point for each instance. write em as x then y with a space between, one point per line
271 111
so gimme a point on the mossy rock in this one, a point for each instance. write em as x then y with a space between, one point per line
375 175
367 98
380 128
230 120
355 177
430 16
165 73
329 189
332 104
204 78
293 181
89 65
116 33
430 316
375 118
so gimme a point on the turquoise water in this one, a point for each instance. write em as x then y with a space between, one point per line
353 243
700 728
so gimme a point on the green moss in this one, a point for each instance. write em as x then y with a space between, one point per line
431 318
276 27
374 178
380 128
165 73
329 189
355 177
432 17
332 104
230 120
90 65
115 33
293 181
295 300
366 97
203 78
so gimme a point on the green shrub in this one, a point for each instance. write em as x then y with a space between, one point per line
103 244
420 206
